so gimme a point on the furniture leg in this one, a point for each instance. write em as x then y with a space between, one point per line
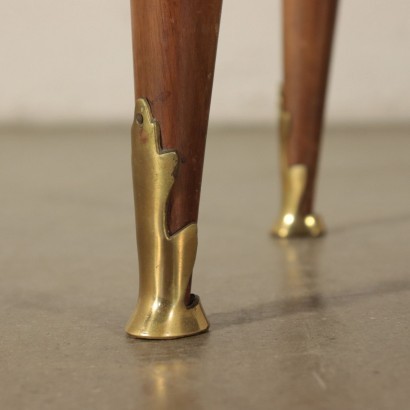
308 36
174 48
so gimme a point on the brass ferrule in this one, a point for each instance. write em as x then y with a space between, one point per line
165 261
291 222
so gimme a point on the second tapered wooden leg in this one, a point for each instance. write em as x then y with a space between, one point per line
174 45
308 35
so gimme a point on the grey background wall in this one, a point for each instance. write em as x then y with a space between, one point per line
71 61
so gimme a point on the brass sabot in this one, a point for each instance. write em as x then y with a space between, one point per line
165 261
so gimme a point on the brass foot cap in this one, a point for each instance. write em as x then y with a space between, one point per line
160 319
291 226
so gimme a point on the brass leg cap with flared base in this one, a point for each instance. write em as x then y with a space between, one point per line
160 319
166 261
291 226
292 223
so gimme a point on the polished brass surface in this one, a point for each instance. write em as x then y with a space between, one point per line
165 261
291 222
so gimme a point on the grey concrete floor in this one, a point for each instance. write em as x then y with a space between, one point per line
303 324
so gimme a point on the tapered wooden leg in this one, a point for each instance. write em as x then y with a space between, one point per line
308 35
174 47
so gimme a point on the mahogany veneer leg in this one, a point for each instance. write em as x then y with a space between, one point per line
308 35
174 47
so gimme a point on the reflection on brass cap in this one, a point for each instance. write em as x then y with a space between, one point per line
165 261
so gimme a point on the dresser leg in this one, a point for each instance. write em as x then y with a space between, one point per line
174 48
308 36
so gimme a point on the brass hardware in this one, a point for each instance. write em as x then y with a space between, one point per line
291 222
165 261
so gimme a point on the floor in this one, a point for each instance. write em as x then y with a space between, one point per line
302 324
